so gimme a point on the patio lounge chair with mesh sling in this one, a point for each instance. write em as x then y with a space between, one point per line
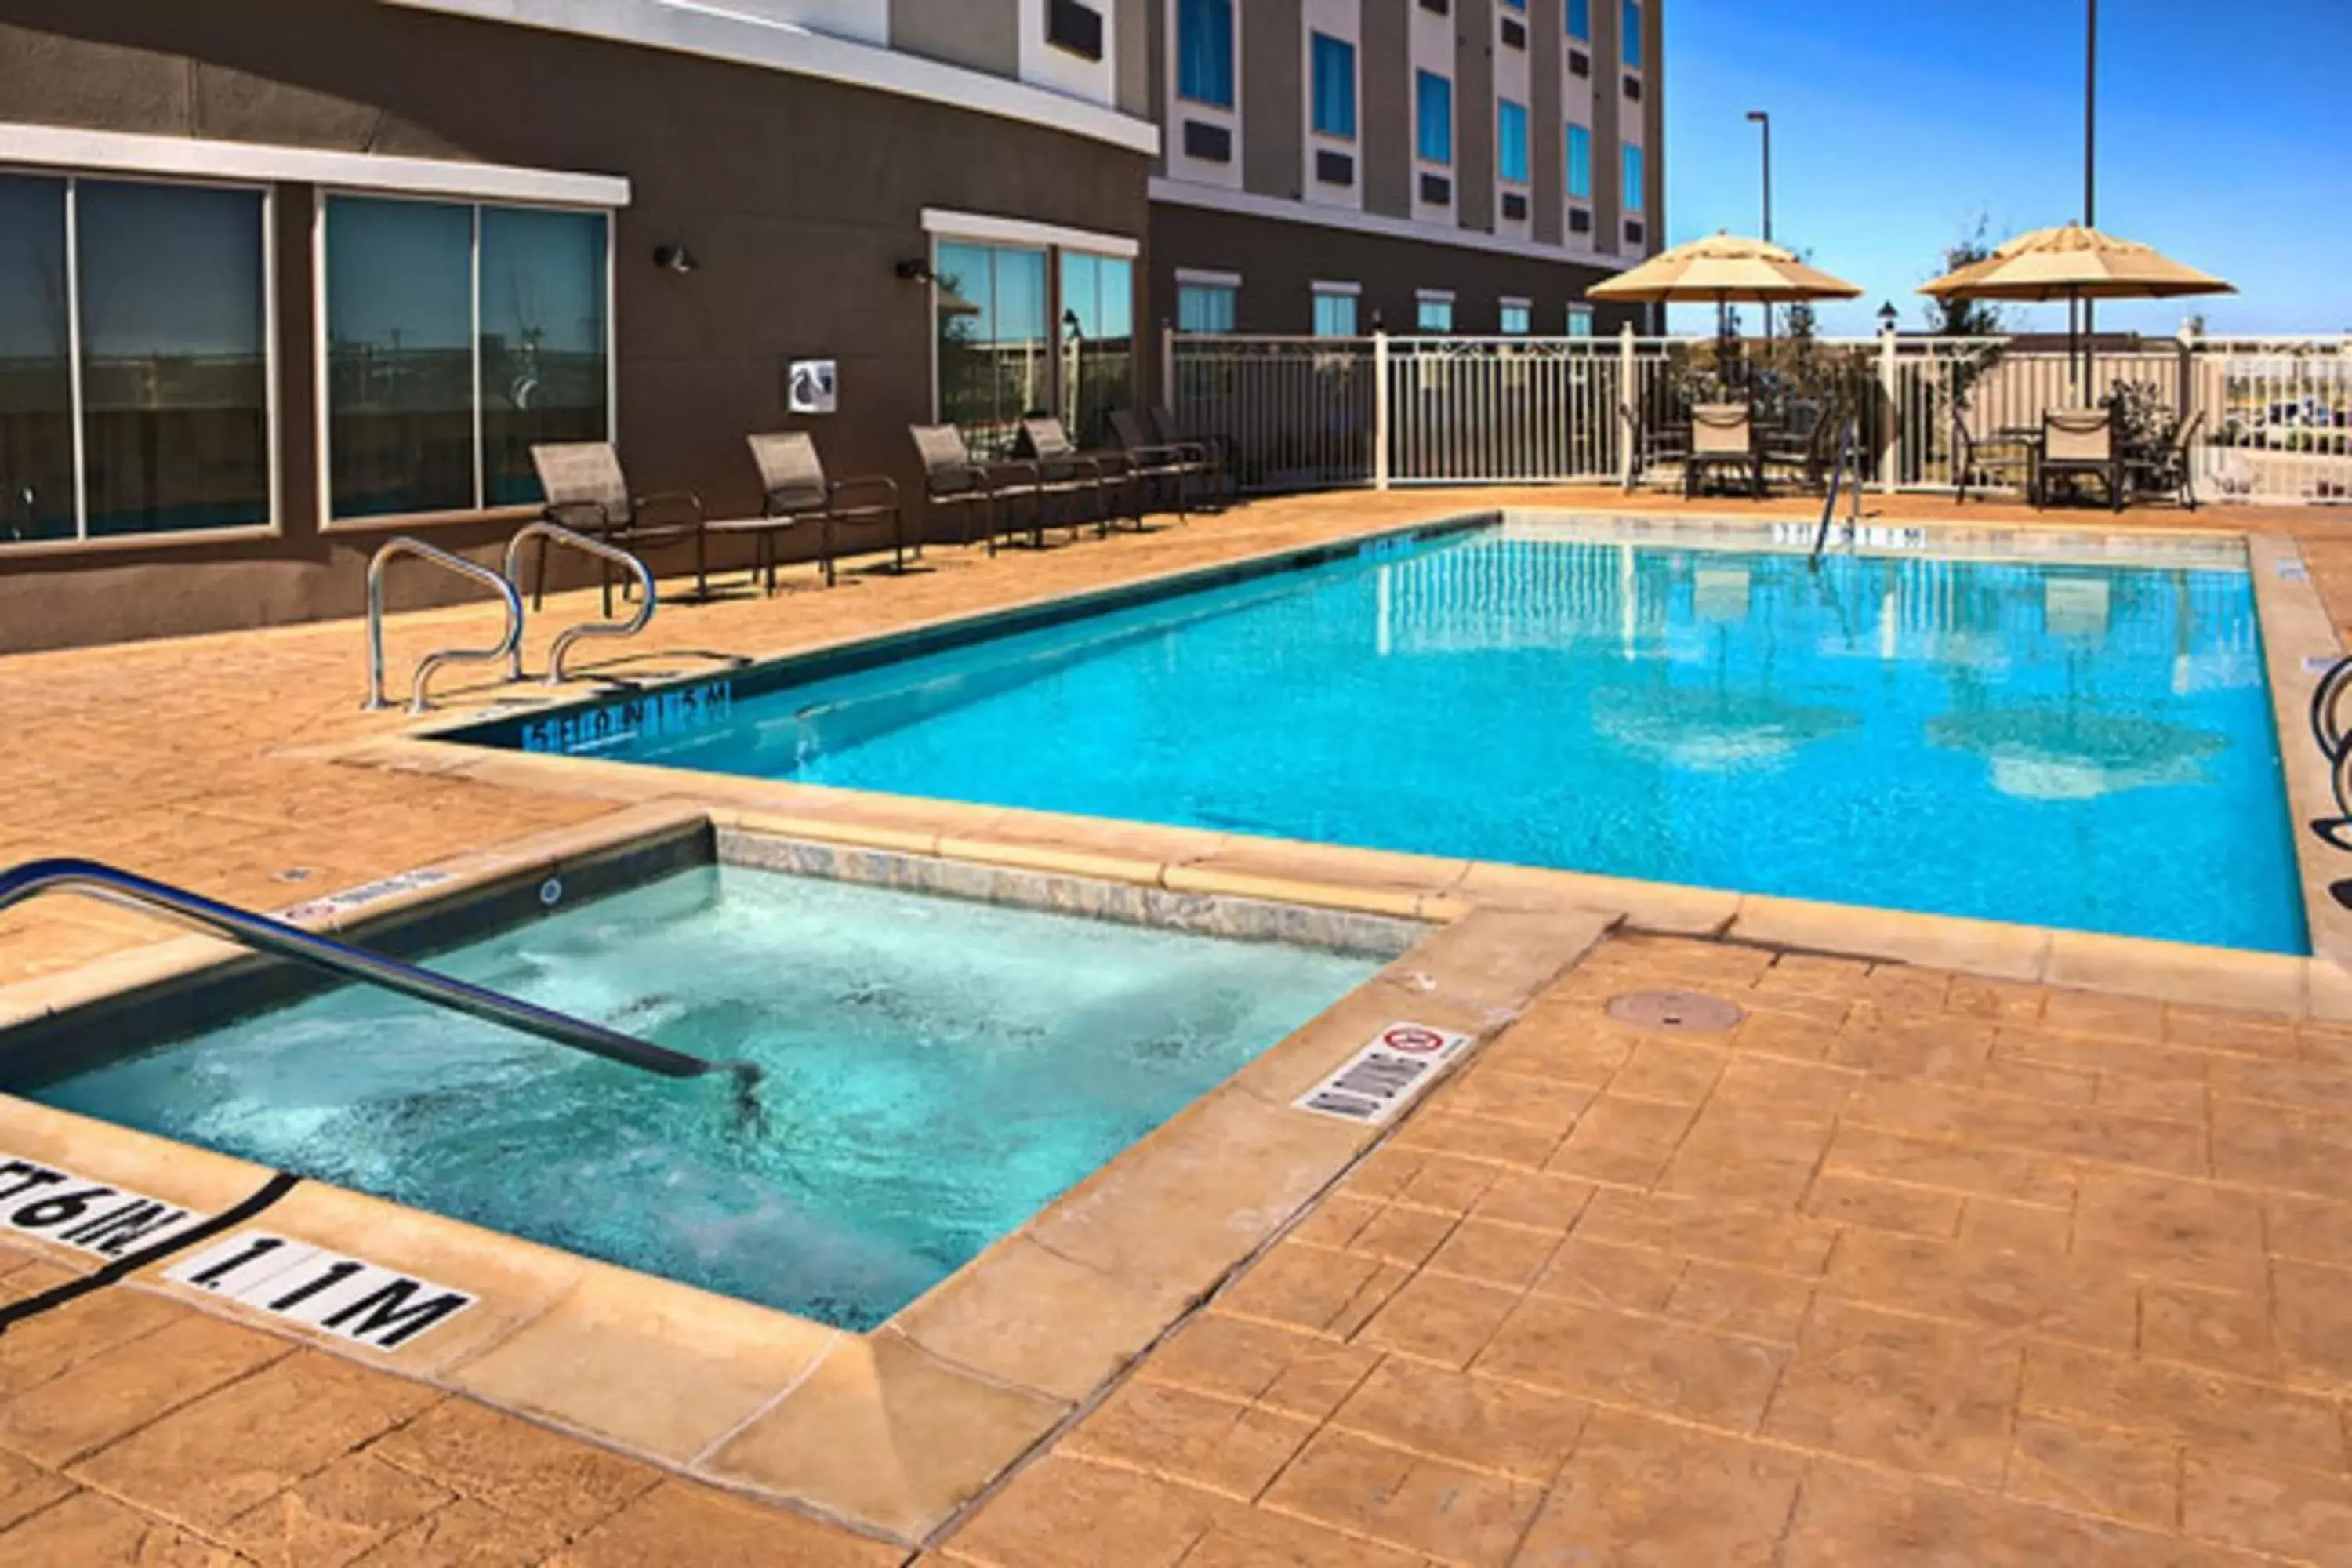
953 478
795 490
587 493
1215 451
1723 436
2170 467
1064 469
1169 465
2079 442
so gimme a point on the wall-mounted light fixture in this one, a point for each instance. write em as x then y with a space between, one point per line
675 258
1888 316
915 269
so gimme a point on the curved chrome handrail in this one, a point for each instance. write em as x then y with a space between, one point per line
2325 698
557 535
1846 440
510 645
290 942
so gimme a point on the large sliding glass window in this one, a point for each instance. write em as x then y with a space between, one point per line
164 425
1097 343
36 435
457 338
1580 20
1629 26
1433 97
1579 162
1630 199
1334 62
1204 52
994 345
1511 141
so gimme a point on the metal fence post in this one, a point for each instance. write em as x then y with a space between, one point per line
1167 365
1626 433
1890 384
1380 409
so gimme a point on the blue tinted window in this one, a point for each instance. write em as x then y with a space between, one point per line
1334 315
542 345
400 357
1435 315
1335 87
1204 308
1631 33
1631 198
1580 20
1204 51
36 454
1516 318
1511 137
1580 163
1433 114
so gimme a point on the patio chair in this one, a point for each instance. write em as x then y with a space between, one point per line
1217 452
587 493
953 478
2170 467
1652 446
2002 457
1171 466
795 490
1723 436
1805 446
1062 469
2078 442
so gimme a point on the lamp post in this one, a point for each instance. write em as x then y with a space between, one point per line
1758 117
2090 167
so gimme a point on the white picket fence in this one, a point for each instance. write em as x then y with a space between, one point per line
2275 414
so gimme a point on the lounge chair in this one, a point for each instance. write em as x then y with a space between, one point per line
2004 458
587 493
2079 442
1805 446
1723 436
1064 469
953 477
795 490
1171 465
1215 451
2171 466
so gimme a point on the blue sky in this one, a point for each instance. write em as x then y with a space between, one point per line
2225 131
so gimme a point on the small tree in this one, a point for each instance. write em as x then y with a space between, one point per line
1966 318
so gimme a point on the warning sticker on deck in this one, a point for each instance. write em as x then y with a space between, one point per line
347 1297
365 894
105 1221
1383 1078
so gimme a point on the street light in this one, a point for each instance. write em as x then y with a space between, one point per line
1758 117
2091 153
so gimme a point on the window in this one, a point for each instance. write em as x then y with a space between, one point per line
1335 88
1099 343
1335 313
1580 20
995 358
1580 163
1433 114
1580 321
1511 141
1434 312
1204 51
457 338
1517 318
1630 32
1634 183
1205 307
165 287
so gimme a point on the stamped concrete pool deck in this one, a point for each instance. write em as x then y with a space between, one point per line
1912 1264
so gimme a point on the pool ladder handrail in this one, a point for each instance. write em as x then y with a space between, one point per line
281 940
1847 439
556 533
509 646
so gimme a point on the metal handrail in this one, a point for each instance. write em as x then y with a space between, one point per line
1846 439
2325 700
289 942
557 533
509 646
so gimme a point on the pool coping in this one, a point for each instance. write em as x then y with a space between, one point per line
996 1360
2295 627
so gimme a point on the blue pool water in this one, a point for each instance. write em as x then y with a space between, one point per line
2059 745
937 1072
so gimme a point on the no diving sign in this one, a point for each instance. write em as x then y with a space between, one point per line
1383 1078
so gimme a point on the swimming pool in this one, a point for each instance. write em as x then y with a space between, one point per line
2081 746
938 1071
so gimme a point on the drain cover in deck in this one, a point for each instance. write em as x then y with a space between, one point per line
1674 1012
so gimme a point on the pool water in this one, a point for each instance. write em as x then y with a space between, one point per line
2073 746
937 1072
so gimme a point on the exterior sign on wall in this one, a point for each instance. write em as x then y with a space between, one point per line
813 387
1384 1077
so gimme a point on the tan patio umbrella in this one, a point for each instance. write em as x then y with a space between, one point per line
1722 270
2073 263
